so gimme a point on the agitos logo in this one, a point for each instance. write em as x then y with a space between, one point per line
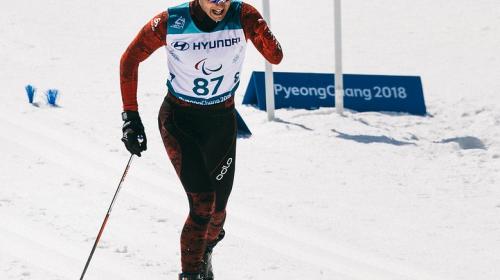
207 71
180 46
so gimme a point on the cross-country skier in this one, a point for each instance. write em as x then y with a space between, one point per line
205 42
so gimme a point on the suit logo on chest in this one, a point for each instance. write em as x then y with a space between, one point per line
179 23
207 70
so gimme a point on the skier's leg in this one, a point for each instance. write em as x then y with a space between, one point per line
202 151
215 227
194 233
187 159
215 234
222 178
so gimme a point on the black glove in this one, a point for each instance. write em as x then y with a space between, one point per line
134 137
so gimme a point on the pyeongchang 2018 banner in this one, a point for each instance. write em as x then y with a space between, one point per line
362 93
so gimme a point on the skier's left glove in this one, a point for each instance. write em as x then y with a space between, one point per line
134 136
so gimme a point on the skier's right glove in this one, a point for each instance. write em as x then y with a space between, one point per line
134 136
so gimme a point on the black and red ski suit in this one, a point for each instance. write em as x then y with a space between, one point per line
200 140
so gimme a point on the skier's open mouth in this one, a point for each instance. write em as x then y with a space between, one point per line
218 12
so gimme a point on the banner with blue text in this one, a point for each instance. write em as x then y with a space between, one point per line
362 93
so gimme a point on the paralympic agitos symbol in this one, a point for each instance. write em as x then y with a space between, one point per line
207 71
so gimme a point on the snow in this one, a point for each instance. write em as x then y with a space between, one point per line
316 195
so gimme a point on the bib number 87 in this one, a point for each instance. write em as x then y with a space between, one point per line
201 86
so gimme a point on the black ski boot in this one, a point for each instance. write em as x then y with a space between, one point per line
206 269
190 276
207 272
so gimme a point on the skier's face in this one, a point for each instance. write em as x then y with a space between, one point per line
215 9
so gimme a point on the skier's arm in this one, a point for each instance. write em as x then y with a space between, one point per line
151 37
257 30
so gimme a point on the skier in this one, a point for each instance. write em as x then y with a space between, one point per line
205 42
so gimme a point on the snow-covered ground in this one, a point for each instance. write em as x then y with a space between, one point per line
317 196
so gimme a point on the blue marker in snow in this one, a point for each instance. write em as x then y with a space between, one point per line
51 95
30 91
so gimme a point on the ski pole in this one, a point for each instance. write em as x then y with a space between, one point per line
107 216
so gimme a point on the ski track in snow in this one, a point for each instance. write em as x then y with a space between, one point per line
316 195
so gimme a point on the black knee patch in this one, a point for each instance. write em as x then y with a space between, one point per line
201 207
200 220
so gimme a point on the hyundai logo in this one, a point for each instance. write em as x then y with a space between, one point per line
180 46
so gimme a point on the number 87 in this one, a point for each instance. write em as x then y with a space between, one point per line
201 86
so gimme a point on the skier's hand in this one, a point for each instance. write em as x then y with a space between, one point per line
134 136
